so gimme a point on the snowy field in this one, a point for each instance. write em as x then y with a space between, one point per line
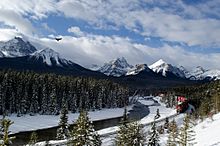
29 123
208 132
108 134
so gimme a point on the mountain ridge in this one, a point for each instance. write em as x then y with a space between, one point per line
24 50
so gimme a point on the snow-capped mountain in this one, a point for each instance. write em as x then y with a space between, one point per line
16 47
199 73
137 69
211 74
116 67
50 57
166 69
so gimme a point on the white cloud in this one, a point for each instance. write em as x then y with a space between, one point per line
7 34
169 20
76 31
176 21
97 49
36 9
13 19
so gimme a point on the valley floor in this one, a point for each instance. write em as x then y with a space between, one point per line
29 123
207 131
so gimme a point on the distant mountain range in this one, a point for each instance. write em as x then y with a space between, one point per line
120 67
22 55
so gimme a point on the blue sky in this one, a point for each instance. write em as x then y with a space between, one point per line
182 32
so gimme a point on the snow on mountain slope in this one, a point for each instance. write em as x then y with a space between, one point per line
2 54
164 68
213 74
16 47
199 73
137 69
50 57
116 67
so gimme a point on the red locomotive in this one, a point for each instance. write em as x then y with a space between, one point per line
182 104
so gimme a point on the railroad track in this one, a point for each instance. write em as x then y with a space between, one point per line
144 125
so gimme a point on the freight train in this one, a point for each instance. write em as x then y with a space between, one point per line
182 104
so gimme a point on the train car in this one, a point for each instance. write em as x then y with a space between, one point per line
182 104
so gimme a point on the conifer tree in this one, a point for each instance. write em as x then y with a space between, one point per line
161 129
157 114
124 120
6 139
122 134
166 124
63 130
136 136
170 141
33 139
186 134
83 133
172 138
130 135
172 126
154 136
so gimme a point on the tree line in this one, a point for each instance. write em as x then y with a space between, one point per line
30 93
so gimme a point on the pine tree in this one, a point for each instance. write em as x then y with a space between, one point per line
157 114
161 129
33 139
130 135
63 130
83 133
136 136
154 136
166 124
172 126
172 138
122 134
125 120
52 104
7 140
186 135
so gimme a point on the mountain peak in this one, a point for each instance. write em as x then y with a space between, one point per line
120 62
47 55
16 47
158 63
164 68
116 67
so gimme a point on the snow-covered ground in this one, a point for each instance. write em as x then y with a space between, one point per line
208 132
29 123
109 135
